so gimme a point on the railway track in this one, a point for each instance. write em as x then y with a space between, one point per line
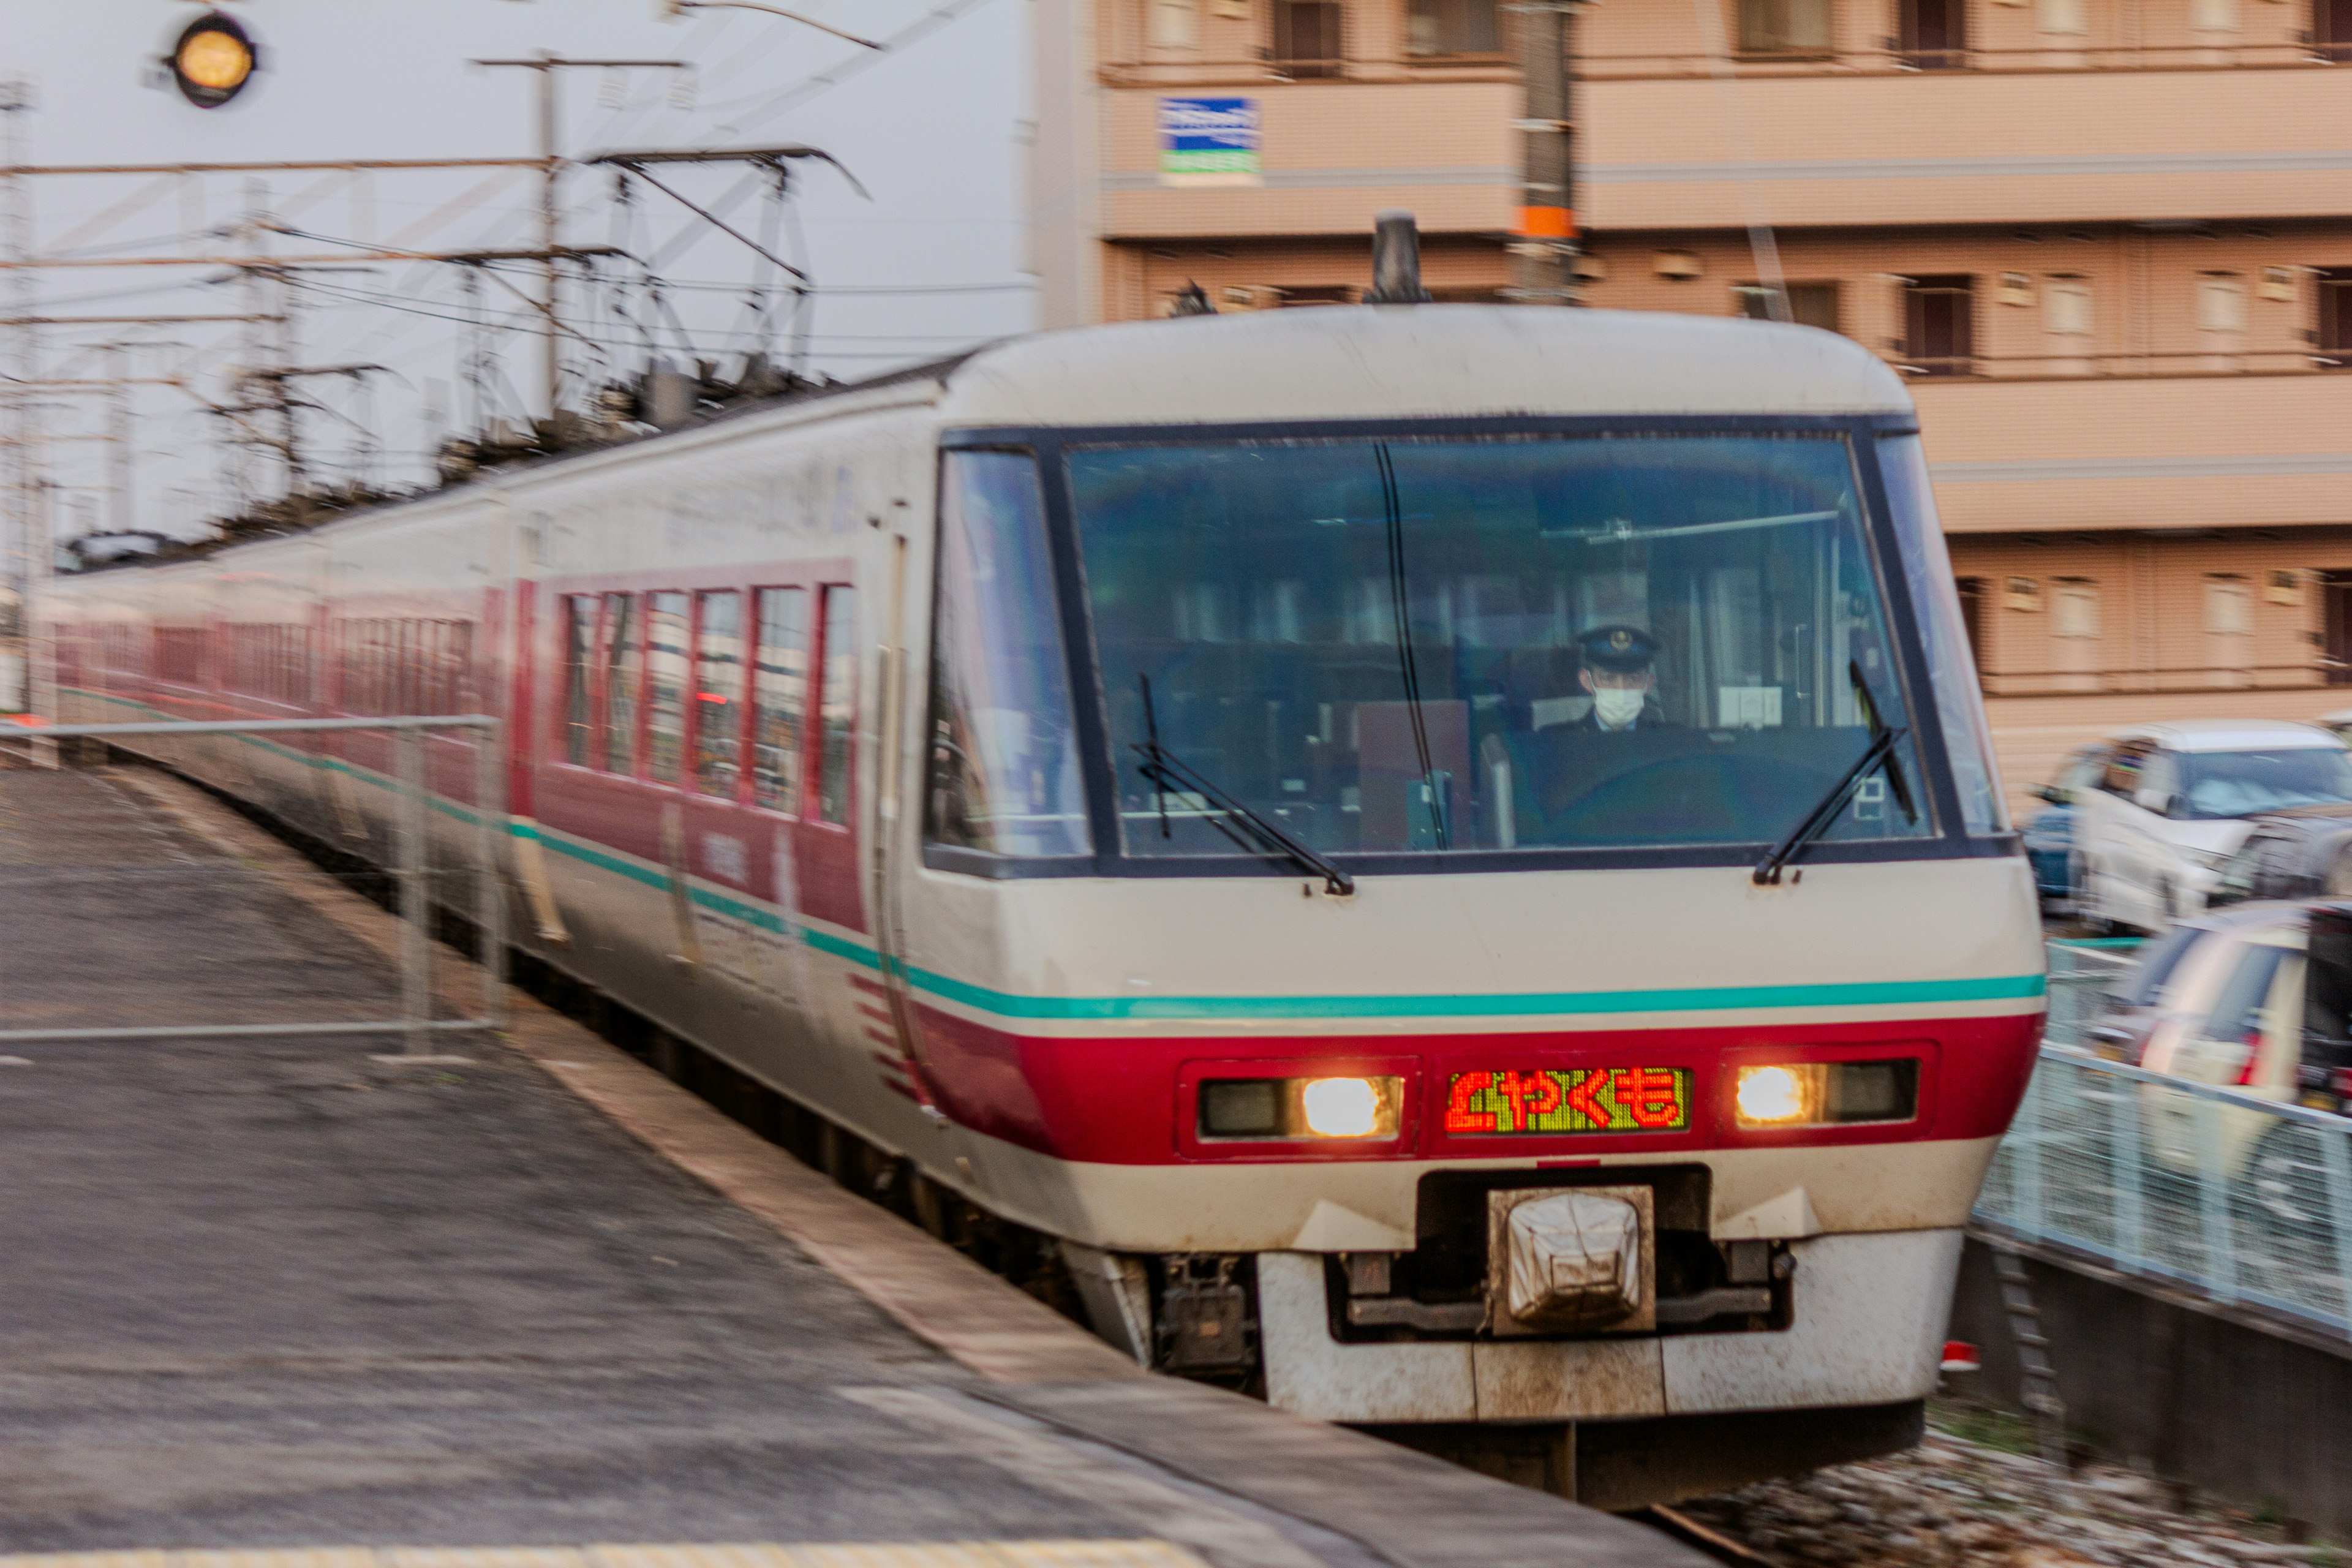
1703 1537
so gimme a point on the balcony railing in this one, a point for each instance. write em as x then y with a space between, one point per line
1265 68
2089 365
1891 58
2182 679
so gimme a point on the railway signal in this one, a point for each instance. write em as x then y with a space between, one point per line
212 59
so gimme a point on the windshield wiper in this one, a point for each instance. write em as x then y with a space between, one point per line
1167 772
1879 753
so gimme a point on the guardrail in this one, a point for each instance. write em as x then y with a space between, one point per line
2244 1199
411 785
2079 970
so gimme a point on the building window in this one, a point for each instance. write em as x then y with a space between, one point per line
2221 302
1939 325
2074 608
2335 626
2229 605
2063 19
2331 29
1799 27
1172 23
2332 287
2075 633
1453 28
1307 38
2213 16
1933 34
2066 307
1810 304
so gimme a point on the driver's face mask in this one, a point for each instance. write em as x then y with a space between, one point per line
1617 706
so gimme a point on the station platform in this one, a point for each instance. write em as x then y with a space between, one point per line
274 1301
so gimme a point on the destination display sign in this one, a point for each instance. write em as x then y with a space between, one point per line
1570 1100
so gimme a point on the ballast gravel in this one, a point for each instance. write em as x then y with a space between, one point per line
1954 1503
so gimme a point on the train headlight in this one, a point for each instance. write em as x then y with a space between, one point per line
1813 1094
1263 1107
1779 1096
1341 1107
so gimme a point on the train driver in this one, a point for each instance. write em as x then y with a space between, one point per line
1621 674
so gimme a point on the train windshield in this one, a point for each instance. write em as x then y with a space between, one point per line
1434 645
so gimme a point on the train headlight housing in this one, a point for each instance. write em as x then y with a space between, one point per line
1815 1094
1304 1108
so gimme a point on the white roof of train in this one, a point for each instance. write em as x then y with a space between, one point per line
1435 360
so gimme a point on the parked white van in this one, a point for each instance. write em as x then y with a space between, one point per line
2172 805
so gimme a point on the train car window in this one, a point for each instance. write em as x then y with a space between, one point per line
1003 767
461 667
836 710
718 693
1446 645
665 677
780 698
621 675
579 666
1943 636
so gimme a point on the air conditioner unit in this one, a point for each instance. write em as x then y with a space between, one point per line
1679 264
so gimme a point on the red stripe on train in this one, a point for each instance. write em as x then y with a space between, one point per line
1125 1100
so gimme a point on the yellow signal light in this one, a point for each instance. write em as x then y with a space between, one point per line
213 59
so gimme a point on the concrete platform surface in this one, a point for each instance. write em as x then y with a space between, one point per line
269 1297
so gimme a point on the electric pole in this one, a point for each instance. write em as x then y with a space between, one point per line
550 158
1544 253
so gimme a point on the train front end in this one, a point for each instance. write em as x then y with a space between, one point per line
1462 872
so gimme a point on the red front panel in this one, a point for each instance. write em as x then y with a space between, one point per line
1132 1101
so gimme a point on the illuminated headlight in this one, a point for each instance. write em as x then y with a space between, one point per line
1813 1094
1300 1106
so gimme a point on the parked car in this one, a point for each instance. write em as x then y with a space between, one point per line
2258 1003
2172 805
2148 998
2305 853
2050 832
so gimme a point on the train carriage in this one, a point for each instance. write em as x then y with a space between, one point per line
1448 854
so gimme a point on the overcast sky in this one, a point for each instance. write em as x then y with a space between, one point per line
932 128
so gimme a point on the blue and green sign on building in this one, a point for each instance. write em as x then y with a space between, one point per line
1209 141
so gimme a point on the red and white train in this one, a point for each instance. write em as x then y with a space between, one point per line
1177 785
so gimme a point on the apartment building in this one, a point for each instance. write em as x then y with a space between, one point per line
2108 241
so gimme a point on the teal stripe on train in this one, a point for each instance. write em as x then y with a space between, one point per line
1523 1005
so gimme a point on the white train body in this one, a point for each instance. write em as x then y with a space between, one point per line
1015 957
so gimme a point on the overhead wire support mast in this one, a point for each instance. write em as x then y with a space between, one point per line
777 159
550 161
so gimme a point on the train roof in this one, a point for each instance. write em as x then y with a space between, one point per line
1331 363
1425 361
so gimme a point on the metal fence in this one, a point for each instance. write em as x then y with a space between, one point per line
420 795
2242 1199
2079 972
